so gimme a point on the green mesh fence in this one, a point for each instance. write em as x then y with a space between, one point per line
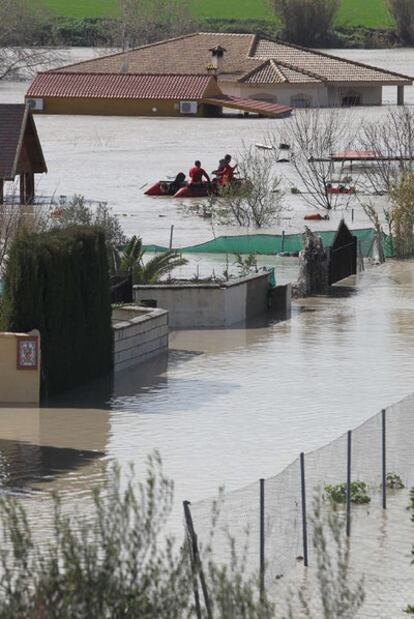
269 244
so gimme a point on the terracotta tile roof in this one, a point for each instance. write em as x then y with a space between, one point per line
325 66
187 54
273 72
244 53
272 110
119 85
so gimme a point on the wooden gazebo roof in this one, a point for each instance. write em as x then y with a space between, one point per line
20 149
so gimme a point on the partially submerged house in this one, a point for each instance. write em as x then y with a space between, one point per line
20 150
246 66
139 94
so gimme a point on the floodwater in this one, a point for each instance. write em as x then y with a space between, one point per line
112 159
227 406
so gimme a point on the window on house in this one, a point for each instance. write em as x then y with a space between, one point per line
301 101
351 99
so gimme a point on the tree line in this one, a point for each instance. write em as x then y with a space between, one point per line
312 22
28 29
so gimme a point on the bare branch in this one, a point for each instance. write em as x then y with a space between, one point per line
313 135
257 199
21 29
392 142
144 22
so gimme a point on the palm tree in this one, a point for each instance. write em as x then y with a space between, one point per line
131 260
125 259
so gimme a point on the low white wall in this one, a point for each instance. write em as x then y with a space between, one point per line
192 305
139 335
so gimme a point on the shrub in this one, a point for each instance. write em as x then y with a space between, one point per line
77 213
401 216
337 493
394 482
256 199
339 590
115 562
58 282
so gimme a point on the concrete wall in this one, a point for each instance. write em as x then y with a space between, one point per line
139 335
281 300
318 94
209 305
18 386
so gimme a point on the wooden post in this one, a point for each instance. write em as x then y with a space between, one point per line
1 191
26 188
384 460
348 486
22 189
304 523
196 563
262 539
30 188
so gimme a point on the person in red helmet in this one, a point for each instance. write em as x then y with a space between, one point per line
196 174
226 173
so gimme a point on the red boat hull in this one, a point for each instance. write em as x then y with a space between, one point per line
160 188
345 190
315 217
194 192
165 188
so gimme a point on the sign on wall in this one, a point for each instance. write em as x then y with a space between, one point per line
27 353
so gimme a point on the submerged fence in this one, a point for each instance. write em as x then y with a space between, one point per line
274 510
270 244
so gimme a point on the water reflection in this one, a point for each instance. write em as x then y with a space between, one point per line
22 465
40 446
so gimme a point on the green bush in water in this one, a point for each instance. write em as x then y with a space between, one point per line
337 493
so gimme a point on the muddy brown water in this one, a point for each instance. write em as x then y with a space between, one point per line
225 407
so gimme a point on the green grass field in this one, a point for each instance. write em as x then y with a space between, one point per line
370 13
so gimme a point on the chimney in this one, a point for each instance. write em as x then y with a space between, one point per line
217 54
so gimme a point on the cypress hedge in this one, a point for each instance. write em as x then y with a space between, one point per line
58 282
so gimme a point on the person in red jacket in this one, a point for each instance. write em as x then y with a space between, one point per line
226 173
196 174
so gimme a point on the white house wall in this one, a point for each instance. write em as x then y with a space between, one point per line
319 95
370 95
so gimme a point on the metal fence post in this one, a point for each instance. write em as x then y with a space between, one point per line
348 486
196 564
262 538
304 523
384 459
